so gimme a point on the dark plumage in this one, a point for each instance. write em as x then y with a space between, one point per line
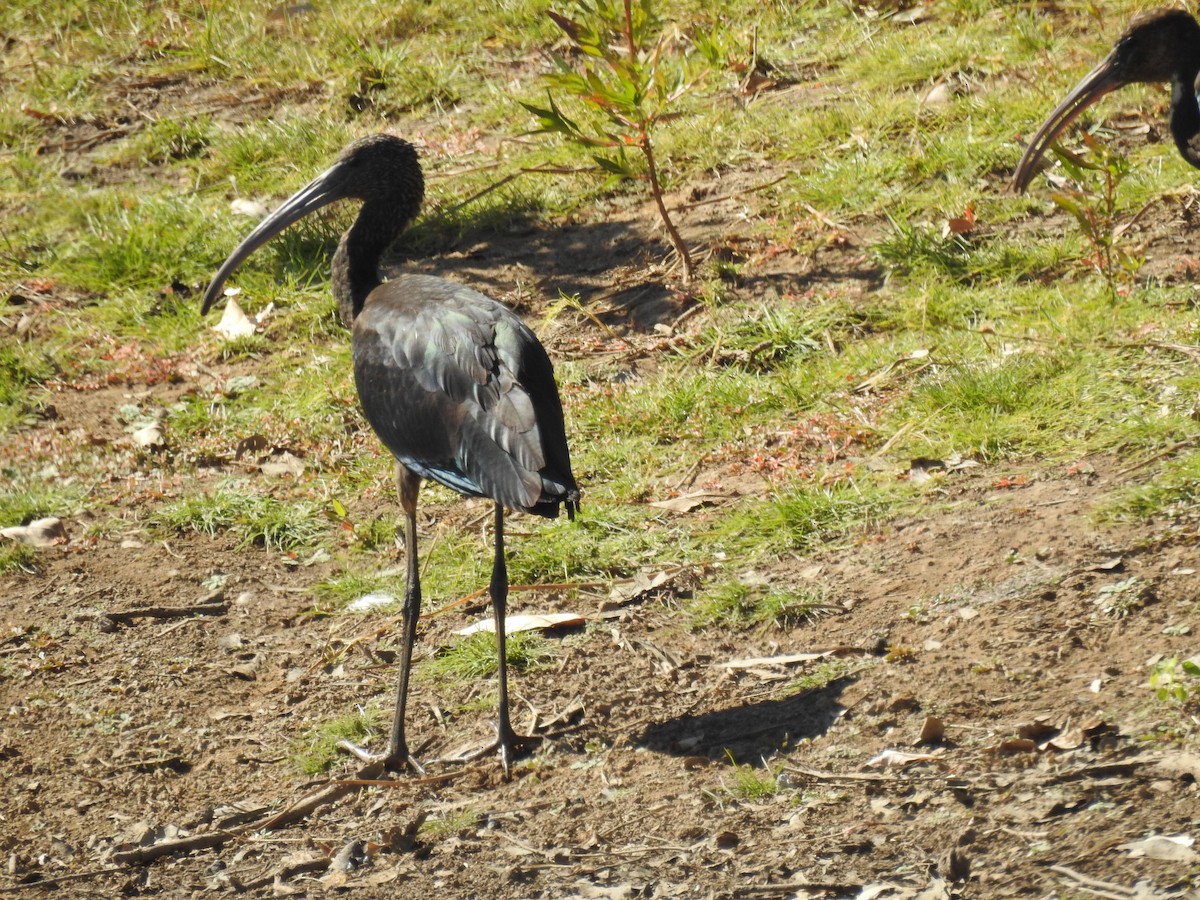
453 382
1161 46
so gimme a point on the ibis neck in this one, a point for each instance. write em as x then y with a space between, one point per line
355 268
1185 113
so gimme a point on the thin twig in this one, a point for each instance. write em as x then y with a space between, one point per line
733 195
1093 883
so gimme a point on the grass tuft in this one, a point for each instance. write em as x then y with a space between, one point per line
317 750
740 603
474 657
1173 494
253 519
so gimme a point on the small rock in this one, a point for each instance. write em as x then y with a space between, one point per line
38 533
232 641
150 437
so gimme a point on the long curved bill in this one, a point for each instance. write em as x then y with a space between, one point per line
317 193
1103 79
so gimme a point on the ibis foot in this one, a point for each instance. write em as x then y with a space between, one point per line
509 744
393 760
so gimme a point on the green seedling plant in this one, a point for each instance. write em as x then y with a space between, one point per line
626 86
1173 680
1096 211
749 784
450 823
737 603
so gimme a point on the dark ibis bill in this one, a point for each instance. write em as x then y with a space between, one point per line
1104 79
321 191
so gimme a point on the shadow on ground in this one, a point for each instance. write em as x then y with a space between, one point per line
750 733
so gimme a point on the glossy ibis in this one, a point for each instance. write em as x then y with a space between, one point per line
454 383
1158 46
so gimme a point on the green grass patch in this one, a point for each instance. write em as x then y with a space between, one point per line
253 519
23 368
804 517
753 784
1173 493
450 823
824 675
737 603
16 556
35 499
474 657
334 594
316 751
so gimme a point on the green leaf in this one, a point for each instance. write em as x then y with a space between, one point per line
614 166
552 120
1081 214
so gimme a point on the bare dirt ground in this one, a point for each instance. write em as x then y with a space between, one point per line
1001 624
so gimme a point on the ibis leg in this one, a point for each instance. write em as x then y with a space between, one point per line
508 742
505 736
397 756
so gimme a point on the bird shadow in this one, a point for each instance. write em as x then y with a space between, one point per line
751 733
509 248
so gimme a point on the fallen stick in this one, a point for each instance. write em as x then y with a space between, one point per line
331 793
127 616
52 880
205 841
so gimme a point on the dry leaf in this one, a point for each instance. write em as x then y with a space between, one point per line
283 463
386 876
898 759
528 622
641 585
787 659
1172 848
688 502
960 224
1068 740
933 731
234 323
938 95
